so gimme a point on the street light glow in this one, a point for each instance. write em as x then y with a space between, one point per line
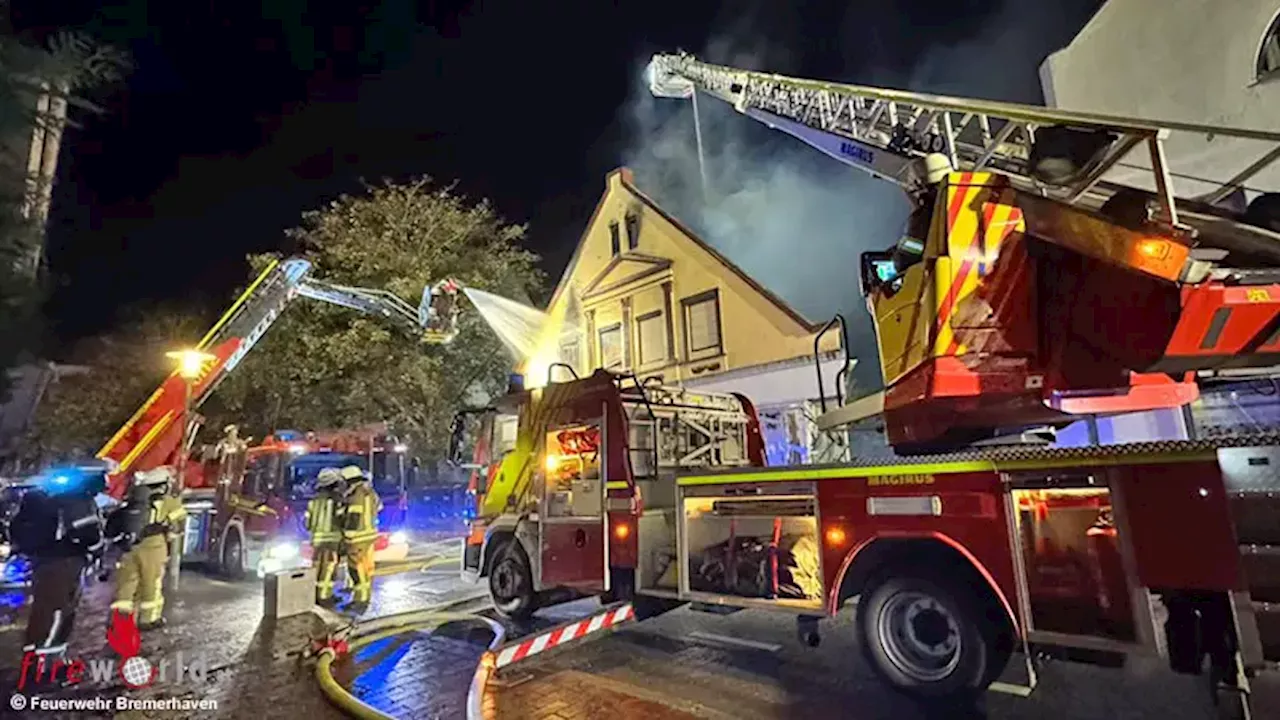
191 363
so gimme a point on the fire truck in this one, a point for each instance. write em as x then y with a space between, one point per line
1038 281
560 474
247 513
154 436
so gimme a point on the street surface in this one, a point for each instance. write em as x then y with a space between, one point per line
689 664
686 664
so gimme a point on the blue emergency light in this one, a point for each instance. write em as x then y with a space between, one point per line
288 435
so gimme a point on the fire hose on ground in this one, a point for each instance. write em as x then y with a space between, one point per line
369 632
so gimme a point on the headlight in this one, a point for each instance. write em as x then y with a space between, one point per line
399 537
283 551
5 550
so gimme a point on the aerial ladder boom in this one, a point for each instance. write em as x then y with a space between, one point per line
883 131
1056 262
153 434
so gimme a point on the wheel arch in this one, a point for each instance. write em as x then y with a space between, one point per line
236 525
870 556
498 532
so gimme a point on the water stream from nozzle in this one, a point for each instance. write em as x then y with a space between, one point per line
519 326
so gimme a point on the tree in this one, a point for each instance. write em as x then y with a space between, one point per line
324 367
81 411
64 65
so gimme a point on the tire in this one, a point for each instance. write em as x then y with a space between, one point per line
928 637
511 582
232 563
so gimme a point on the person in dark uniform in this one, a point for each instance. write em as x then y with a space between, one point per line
59 526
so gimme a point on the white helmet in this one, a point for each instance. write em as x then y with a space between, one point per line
328 477
154 477
936 168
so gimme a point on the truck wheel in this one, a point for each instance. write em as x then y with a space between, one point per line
233 556
927 637
511 582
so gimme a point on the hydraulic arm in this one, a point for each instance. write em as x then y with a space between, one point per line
1055 263
152 436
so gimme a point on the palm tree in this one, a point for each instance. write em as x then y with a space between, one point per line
38 83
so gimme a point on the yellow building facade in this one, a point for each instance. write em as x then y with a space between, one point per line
643 294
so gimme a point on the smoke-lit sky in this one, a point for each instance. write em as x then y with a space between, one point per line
240 116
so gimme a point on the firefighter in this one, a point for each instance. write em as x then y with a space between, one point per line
59 527
154 516
359 531
326 534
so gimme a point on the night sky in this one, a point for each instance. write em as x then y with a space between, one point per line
237 118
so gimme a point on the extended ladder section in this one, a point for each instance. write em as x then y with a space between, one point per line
671 428
884 132
1077 259
152 436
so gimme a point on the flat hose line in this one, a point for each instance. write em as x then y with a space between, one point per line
399 624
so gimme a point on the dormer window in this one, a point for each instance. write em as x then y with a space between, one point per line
1269 54
633 230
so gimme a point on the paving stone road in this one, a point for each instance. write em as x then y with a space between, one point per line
253 666
680 666
690 665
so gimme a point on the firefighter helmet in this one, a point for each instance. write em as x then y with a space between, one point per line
157 476
936 168
352 472
328 477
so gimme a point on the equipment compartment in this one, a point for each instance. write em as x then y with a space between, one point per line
753 543
657 568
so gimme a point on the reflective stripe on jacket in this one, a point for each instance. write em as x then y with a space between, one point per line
360 516
322 516
165 513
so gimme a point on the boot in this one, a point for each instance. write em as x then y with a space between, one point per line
153 625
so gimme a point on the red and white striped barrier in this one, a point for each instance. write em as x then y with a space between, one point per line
521 649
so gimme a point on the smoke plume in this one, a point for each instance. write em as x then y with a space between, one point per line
790 217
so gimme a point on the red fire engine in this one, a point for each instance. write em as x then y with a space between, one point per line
248 513
241 497
1032 286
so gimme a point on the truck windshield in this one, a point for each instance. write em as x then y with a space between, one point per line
388 471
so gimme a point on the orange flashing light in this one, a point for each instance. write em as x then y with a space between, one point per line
835 536
1160 257
622 531
1154 249
552 463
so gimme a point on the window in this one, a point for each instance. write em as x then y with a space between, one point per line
611 350
615 242
702 323
573 485
1269 54
571 353
651 336
633 231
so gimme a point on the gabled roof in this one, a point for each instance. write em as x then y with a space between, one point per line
628 182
